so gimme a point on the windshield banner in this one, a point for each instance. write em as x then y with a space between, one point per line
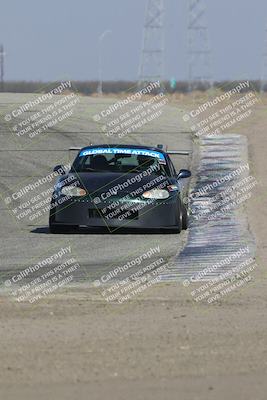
114 150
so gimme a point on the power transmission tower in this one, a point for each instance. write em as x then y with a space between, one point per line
199 52
264 66
151 66
2 55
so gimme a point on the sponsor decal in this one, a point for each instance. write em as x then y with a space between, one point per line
114 150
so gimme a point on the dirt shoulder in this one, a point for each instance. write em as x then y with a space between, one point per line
161 343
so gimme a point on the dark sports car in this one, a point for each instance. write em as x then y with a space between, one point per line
119 186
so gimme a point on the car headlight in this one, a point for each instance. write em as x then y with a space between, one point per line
159 194
73 191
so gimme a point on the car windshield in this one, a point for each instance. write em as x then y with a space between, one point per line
125 163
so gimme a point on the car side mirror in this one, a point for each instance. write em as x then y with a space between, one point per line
59 169
184 173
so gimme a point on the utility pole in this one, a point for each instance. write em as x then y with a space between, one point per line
2 55
264 66
199 52
151 67
100 67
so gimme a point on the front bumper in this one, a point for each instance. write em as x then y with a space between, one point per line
111 215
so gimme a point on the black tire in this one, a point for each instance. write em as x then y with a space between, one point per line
184 217
56 228
180 218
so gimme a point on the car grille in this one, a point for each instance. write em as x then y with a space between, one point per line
94 213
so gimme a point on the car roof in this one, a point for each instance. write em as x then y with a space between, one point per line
124 146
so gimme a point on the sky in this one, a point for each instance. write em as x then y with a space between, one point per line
58 39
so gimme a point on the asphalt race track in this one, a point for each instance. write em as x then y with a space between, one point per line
26 160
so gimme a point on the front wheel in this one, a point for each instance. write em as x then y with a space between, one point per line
57 228
180 219
184 217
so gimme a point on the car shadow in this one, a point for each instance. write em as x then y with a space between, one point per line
104 231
